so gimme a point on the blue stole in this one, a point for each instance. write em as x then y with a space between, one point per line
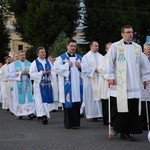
45 85
27 90
67 83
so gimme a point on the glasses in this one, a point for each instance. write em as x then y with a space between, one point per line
128 32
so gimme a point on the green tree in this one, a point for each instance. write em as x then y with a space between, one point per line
40 22
4 40
59 45
18 7
143 15
104 19
4 35
31 54
4 9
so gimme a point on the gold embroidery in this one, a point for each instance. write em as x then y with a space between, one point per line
91 64
121 49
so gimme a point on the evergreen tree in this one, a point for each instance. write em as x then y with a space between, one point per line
59 45
143 15
40 22
105 18
4 35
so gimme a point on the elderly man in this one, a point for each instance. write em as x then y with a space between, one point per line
23 103
145 91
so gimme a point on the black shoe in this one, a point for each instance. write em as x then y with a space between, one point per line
39 118
74 127
12 113
95 119
31 116
82 115
54 110
68 127
20 117
44 120
127 137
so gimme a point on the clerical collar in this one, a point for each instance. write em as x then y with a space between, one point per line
126 43
71 55
41 59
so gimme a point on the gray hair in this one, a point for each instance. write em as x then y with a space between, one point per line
21 51
146 44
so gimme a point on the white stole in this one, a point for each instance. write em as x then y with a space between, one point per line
122 104
93 63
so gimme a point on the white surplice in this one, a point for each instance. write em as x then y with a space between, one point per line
91 91
103 83
1 74
4 88
133 81
20 109
145 93
10 86
55 105
41 108
0 93
63 71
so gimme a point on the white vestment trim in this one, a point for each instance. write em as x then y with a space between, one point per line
122 104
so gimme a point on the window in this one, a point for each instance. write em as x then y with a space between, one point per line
20 47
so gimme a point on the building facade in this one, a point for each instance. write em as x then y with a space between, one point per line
16 42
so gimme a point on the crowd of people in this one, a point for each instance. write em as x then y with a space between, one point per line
80 85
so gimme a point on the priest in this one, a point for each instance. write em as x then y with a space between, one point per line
54 106
68 68
21 89
11 81
1 74
104 87
91 71
124 69
145 91
40 73
4 84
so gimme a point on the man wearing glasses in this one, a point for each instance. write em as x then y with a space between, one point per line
124 70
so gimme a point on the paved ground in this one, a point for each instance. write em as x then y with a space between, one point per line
32 135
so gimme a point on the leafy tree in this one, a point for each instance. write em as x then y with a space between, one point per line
4 35
4 9
143 15
59 45
31 53
104 19
42 21
18 7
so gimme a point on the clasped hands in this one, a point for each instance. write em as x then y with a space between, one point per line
48 73
77 64
25 72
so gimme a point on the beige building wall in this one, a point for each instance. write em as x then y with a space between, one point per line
16 42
